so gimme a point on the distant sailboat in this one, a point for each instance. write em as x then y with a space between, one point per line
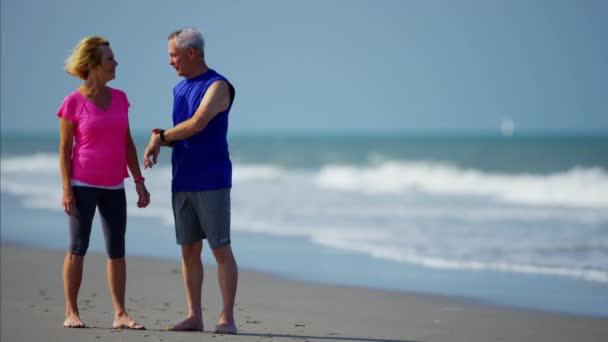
507 126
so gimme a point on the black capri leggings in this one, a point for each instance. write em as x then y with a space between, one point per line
112 206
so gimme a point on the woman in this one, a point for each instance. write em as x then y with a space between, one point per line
96 148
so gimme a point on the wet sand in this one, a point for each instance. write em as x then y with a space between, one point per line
268 308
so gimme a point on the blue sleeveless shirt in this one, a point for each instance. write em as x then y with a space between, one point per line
200 162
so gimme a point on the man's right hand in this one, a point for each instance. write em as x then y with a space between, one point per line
152 150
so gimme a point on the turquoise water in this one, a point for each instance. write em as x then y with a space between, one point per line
519 221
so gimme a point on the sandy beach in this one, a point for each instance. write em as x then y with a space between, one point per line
268 308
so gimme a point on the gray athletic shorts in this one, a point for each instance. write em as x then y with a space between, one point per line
202 215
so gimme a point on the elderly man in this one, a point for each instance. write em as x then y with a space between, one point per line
202 174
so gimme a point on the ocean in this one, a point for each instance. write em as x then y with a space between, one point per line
518 221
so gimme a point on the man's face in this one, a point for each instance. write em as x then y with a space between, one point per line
179 59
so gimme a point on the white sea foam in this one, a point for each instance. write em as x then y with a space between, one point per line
257 172
427 214
400 255
39 163
578 187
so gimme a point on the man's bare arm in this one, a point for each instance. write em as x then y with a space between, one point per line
216 100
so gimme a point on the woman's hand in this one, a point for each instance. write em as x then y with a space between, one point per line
69 203
144 195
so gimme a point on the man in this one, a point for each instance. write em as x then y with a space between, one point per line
202 174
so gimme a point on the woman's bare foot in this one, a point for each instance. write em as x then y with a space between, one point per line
228 328
225 325
73 321
189 324
126 322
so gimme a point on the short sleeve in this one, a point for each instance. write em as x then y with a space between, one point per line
123 97
126 100
68 109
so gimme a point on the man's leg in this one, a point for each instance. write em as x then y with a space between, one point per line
192 269
227 272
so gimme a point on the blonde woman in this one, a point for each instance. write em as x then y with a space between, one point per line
96 149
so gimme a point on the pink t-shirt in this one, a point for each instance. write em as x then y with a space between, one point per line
99 156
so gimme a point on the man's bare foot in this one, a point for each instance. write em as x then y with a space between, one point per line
126 322
73 321
189 324
228 328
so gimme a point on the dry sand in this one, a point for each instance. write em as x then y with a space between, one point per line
268 308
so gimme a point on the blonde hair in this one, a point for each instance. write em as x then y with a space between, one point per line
85 56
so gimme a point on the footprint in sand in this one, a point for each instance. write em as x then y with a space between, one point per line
43 294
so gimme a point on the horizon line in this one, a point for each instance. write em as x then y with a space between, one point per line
360 132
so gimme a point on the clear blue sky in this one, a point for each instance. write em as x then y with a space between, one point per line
412 66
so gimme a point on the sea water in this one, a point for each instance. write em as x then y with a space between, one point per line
520 221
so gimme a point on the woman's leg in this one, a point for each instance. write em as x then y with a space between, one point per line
113 211
80 232
72 278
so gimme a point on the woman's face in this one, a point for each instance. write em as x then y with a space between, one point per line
107 69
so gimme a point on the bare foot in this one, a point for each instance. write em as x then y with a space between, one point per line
189 324
126 322
228 328
225 325
73 321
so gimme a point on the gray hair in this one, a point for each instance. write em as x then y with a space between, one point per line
189 37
